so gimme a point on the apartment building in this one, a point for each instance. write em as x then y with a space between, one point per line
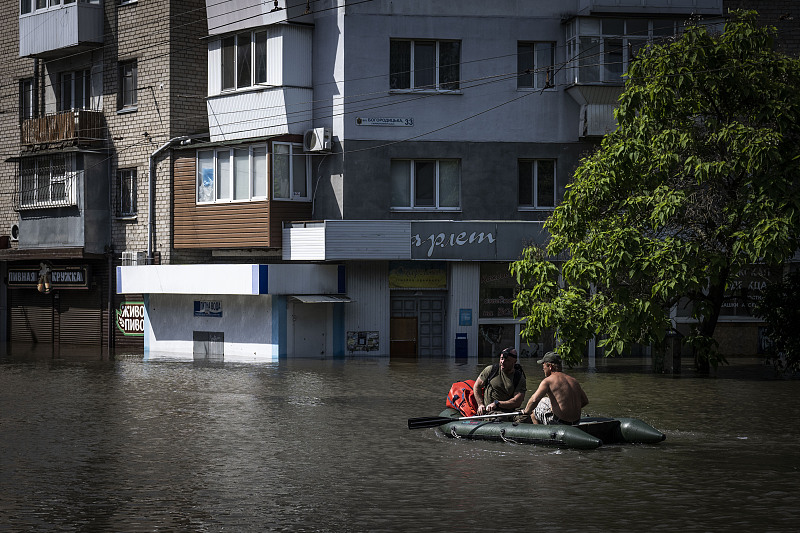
373 167
96 93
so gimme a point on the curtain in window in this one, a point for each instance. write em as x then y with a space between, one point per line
205 176
449 183
424 183
401 183
280 171
259 172
400 65
424 65
241 174
223 175
449 68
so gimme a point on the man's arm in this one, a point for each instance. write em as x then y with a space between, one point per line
540 393
477 392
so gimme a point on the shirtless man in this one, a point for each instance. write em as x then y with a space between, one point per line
562 392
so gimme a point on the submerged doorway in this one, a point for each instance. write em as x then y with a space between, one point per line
419 318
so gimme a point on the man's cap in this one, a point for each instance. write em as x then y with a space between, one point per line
509 351
550 357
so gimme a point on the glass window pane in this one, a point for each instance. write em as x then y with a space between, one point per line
260 172
663 28
228 63
66 91
525 63
449 183
243 60
544 64
241 174
400 65
224 175
78 103
424 183
590 56
589 26
613 59
401 183
545 183
205 176
614 27
280 171
299 175
261 57
449 65
525 186
636 27
424 64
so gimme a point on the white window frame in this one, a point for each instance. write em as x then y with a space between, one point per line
534 178
41 196
438 84
126 176
411 184
254 58
295 151
592 62
540 71
27 7
72 80
227 155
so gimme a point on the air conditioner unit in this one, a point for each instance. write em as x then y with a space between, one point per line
14 232
132 258
317 140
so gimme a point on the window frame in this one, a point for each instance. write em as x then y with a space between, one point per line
74 79
295 150
549 73
214 186
27 106
534 185
413 168
438 86
255 59
127 175
123 91
65 180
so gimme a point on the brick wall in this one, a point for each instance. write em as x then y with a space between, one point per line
784 15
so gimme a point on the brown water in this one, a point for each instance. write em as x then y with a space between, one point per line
306 445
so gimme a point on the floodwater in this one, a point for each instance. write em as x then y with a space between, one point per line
316 445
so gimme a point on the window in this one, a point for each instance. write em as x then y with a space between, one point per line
535 65
127 97
426 184
47 181
599 50
424 65
26 99
29 6
290 172
226 175
537 184
126 192
244 60
75 90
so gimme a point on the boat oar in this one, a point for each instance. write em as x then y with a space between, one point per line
436 421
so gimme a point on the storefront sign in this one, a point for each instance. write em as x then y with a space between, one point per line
130 319
411 275
384 121
208 308
473 241
71 277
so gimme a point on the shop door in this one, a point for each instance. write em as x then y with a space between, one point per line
81 317
309 324
427 329
31 316
403 337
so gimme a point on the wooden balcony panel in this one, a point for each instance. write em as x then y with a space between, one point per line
80 127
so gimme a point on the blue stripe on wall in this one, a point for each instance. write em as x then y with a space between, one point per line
263 279
146 299
279 324
119 279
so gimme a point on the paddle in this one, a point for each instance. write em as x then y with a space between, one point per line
436 421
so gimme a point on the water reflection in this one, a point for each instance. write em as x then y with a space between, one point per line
90 444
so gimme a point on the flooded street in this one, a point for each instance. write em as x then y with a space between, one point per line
319 445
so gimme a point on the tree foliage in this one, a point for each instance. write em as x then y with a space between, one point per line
780 310
698 181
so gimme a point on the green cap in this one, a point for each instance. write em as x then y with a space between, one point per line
550 357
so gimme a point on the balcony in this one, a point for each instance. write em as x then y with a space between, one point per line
60 29
69 128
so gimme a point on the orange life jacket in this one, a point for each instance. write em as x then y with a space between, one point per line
461 398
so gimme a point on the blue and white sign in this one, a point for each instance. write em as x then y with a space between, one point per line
208 308
465 317
384 121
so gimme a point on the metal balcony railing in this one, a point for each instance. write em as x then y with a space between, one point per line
37 191
77 128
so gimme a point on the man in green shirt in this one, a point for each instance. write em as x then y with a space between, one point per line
501 388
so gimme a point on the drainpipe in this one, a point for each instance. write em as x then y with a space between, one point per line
151 189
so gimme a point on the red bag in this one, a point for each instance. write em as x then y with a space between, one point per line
461 398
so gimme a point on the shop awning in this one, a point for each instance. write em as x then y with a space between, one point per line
320 299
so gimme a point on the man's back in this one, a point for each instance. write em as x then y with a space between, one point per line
566 396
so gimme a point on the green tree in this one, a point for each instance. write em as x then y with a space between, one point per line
699 180
781 311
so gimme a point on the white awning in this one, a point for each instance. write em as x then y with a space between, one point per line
320 299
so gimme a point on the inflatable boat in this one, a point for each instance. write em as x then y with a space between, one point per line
589 433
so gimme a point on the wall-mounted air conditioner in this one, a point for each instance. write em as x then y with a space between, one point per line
133 258
317 140
13 232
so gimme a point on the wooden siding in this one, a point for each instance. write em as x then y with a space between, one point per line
255 224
